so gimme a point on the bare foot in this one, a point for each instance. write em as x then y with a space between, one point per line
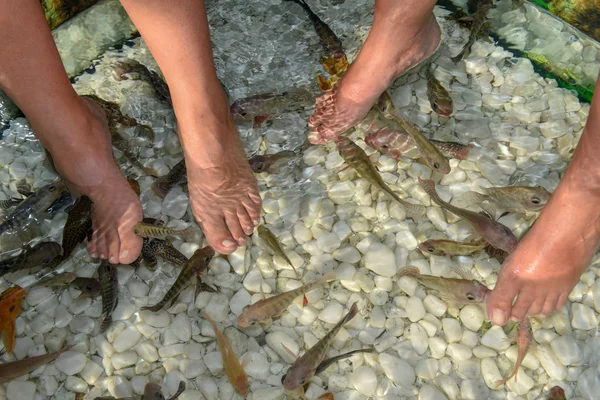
83 156
223 190
390 49
549 260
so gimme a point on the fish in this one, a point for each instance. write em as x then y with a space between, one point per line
109 289
492 231
40 255
303 369
266 105
129 67
270 163
78 225
66 200
326 396
443 247
196 265
24 188
60 280
515 199
266 309
14 369
396 144
524 338
156 247
438 96
231 364
331 43
557 393
176 176
356 158
158 232
271 240
89 287
33 206
9 203
325 364
479 20
462 291
10 307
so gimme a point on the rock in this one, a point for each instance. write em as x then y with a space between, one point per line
257 365
434 305
459 351
218 307
396 369
91 372
583 317
415 310
347 254
427 369
496 339
127 339
438 347
566 350
70 362
193 368
381 260
364 380
452 330
182 327
332 313
20 390
588 383
279 341
471 389
147 351
550 363
472 317
125 359
419 338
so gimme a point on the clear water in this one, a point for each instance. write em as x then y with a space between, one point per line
524 126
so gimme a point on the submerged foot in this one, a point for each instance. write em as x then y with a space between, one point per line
387 53
547 262
84 159
223 190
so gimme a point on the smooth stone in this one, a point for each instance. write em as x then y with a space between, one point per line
147 351
218 307
364 380
459 351
452 330
427 369
20 390
127 339
550 363
332 313
415 310
91 372
182 327
381 260
279 341
583 317
567 351
193 368
257 365
472 317
419 338
70 362
396 369
496 339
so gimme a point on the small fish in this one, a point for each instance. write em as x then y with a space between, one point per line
78 225
158 232
492 231
524 338
264 310
40 255
498 254
438 96
462 291
330 42
109 288
9 203
24 188
270 163
10 307
443 247
59 281
515 199
89 287
161 89
271 240
192 270
66 200
557 393
152 248
479 20
325 364
231 364
15 369
176 176
396 144
356 158
272 104
303 369
33 206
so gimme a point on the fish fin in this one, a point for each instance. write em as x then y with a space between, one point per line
262 292
8 336
485 214
473 198
411 271
463 272
489 208
179 391
304 301
291 353
421 161
503 214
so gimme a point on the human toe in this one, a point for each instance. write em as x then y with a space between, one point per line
521 307
499 302
99 239
235 228
253 211
562 300
114 244
218 236
550 305
536 306
245 221
91 248
129 249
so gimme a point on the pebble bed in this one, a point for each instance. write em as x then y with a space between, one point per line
525 129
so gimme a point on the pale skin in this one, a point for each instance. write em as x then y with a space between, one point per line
547 263
223 192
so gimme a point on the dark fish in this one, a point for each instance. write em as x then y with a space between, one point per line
39 255
24 188
270 162
89 287
192 271
78 225
154 248
326 363
438 96
176 176
15 369
59 281
109 288
33 206
479 19
9 203
330 42
65 200
161 90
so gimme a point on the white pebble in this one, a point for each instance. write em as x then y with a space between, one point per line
459 351
70 362
496 339
419 338
332 313
347 254
381 260
452 330
396 369
472 317
566 350
415 309
91 372
427 369
438 347
434 305
583 317
20 390
364 380
182 327
193 368
550 363
279 341
126 339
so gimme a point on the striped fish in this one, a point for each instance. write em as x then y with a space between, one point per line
176 176
40 255
158 232
109 289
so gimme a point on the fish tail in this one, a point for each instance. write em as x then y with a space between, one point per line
429 186
106 322
464 52
155 308
351 314
411 271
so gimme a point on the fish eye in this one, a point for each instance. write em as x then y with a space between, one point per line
301 380
535 200
283 378
243 113
436 165
470 296
430 250
12 308
260 166
385 146
435 107
52 188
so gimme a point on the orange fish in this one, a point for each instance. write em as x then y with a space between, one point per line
10 307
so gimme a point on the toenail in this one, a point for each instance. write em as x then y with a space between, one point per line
102 256
113 260
498 317
513 318
124 254
228 243
249 228
93 255
256 222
